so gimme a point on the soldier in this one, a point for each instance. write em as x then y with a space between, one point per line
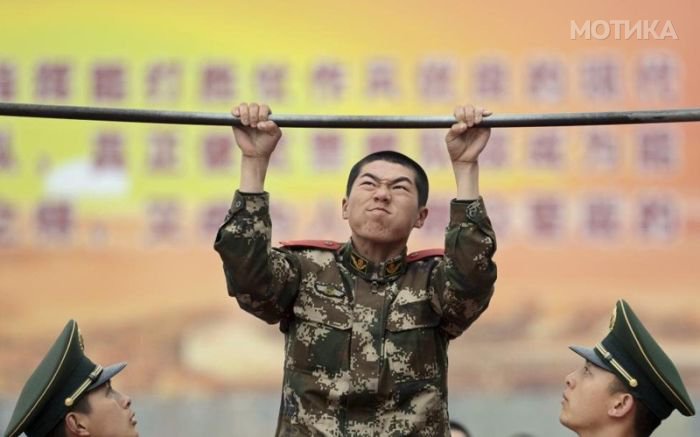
69 395
366 324
627 384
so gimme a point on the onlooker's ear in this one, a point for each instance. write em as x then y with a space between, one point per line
76 424
623 404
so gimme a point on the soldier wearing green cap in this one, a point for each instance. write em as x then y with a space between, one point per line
69 395
627 384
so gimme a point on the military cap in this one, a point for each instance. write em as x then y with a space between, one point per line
630 352
62 377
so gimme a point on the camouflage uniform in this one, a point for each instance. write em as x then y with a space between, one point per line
365 343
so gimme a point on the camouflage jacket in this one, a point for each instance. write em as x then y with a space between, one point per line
365 343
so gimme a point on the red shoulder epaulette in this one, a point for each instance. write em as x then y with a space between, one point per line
426 253
316 244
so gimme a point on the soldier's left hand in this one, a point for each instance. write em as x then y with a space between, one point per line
465 141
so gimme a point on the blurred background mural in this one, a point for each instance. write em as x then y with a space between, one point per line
112 224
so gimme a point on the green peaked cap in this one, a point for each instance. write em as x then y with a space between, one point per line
56 384
630 352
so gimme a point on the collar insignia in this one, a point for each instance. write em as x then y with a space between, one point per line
393 267
359 263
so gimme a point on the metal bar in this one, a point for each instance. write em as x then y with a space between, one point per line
347 121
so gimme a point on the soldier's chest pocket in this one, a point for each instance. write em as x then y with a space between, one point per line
320 338
412 341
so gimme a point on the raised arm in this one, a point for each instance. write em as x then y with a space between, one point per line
263 280
463 280
257 141
464 145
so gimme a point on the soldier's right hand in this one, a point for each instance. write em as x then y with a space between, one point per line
259 136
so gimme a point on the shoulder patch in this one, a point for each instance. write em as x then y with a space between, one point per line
316 244
427 253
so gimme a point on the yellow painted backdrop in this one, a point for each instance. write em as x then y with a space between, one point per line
112 224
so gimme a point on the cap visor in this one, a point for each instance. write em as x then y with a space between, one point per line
591 356
107 374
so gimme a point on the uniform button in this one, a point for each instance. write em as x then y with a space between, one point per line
238 203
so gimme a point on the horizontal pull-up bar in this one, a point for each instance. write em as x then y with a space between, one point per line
348 121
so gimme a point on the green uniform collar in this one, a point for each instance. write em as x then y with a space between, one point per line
385 271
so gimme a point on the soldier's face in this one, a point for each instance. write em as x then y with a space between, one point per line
587 400
110 413
383 203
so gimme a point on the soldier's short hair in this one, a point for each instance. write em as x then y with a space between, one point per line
456 426
421 178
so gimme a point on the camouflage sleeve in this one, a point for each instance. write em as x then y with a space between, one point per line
463 280
263 280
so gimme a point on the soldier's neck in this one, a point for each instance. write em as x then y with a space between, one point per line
377 252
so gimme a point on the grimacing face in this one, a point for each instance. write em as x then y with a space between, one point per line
587 401
383 203
110 413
